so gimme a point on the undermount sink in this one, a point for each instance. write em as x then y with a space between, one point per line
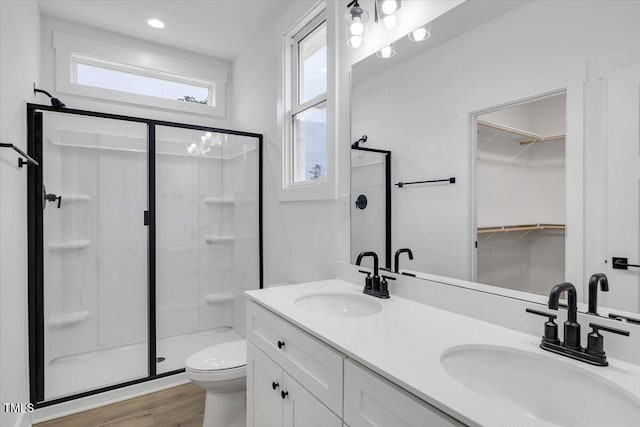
339 304
542 387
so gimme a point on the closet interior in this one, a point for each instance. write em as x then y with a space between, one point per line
520 195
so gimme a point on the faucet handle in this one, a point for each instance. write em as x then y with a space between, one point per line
551 316
596 328
387 277
595 341
550 327
368 282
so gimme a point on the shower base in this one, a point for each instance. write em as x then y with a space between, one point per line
75 374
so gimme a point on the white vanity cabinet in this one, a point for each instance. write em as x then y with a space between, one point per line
274 399
295 380
372 401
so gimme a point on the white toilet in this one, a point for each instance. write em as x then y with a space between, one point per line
222 371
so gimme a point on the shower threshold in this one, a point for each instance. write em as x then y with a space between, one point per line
79 373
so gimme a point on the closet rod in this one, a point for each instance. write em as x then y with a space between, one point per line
21 162
523 227
532 137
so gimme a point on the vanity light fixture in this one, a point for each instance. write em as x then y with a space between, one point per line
386 12
386 52
419 34
155 23
356 20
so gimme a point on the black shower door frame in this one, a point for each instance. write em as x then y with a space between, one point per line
387 202
35 243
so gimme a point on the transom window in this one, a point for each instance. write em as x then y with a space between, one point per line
126 78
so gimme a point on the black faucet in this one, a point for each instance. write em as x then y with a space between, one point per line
397 257
594 352
595 280
372 284
571 326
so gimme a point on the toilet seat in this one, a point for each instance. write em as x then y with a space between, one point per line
221 362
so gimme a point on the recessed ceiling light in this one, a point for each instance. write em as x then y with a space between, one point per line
155 23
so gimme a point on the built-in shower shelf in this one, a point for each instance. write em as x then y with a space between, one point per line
68 319
212 200
70 245
216 240
75 198
219 297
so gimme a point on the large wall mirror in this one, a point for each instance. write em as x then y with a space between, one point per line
519 122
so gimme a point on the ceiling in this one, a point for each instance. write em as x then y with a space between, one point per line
219 28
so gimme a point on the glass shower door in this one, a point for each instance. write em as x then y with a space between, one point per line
207 239
94 246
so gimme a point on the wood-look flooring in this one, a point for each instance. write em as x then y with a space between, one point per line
181 406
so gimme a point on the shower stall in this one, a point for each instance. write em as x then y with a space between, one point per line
143 236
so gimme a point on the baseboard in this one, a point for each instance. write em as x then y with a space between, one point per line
23 420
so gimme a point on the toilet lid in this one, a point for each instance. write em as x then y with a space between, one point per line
228 355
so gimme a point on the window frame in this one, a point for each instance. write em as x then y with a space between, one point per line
324 187
69 48
146 72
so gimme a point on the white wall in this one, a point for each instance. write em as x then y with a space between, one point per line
431 96
50 24
303 239
19 68
300 238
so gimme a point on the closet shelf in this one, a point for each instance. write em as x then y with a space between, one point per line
521 227
528 137
213 240
69 245
213 200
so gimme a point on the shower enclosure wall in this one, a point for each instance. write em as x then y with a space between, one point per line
143 236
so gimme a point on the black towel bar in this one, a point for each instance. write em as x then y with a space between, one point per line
21 162
451 180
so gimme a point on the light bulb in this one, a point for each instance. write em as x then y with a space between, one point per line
390 21
389 6
386 52
357 28
208 135
155 23
203 138
355 41
419 34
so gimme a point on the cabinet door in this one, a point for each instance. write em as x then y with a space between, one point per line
301 409
264 384
371 401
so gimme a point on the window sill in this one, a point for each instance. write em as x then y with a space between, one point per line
307 192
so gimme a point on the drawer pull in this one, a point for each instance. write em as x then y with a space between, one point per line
280 344
284 394
275 385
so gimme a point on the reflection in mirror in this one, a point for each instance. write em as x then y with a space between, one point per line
550 196
370 202
520 195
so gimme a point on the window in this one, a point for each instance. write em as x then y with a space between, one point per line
106 71
308 105
127 79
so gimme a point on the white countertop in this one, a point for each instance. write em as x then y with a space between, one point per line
405 341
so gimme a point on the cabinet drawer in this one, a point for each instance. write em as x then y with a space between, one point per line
372 401
313 364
